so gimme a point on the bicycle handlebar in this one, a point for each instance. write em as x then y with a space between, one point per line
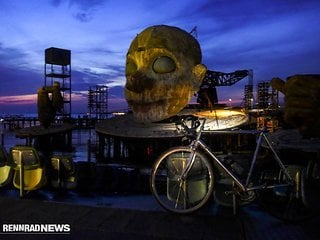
191 128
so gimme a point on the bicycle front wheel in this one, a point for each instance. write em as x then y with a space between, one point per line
181 194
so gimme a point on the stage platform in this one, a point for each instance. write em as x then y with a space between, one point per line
116 216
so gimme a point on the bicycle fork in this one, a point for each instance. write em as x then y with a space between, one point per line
193 146
187 168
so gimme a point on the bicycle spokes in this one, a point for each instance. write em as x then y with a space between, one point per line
179 190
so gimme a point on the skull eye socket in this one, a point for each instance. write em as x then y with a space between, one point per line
131 68
163 64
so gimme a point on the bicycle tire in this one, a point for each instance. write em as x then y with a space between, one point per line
174 194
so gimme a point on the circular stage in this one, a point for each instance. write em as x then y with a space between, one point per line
126 126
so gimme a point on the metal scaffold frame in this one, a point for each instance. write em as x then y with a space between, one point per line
98 101
57 68
268 98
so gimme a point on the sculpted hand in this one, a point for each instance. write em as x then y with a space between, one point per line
302 102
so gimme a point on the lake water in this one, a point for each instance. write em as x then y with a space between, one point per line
80 139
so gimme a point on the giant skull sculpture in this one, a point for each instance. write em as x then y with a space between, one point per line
163 71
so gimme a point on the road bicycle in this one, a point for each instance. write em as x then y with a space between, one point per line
183 178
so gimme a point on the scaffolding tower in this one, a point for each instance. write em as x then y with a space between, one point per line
98 101
268 98
248 96
57 68
248 92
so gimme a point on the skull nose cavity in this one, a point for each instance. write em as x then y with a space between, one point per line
139 83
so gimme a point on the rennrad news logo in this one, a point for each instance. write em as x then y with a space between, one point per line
35 228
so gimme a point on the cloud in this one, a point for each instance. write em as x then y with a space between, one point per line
15 81
83 17
19 99
85 9
272 37
109 75
12 56
265 45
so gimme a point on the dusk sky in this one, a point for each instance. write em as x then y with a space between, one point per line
274 38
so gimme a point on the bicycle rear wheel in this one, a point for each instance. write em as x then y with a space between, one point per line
181 195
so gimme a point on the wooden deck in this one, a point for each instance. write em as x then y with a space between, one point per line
37 131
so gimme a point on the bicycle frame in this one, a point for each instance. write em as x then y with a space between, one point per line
244 186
